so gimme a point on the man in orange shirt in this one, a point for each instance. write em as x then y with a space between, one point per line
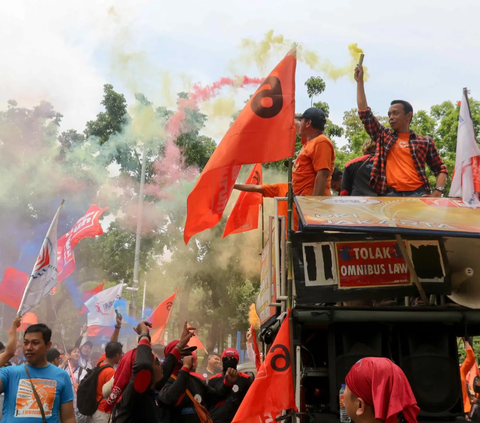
113 353
313 168
400 157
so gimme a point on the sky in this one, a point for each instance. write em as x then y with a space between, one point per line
64 51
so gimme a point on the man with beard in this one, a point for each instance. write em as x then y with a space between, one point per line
224 411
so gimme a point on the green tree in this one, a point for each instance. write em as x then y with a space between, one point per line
112 119
315 86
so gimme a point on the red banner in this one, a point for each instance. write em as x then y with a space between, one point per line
371 264
88 226
12 287
272 390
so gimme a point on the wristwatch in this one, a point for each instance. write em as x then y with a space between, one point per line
441 189
144 335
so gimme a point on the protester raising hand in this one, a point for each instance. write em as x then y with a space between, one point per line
143 328
188 362
12 342
187 334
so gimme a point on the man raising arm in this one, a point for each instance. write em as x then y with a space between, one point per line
400 157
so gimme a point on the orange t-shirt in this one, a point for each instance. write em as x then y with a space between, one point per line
464 369
281 190
104 377
315 155
401 172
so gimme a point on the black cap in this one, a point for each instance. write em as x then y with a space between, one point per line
317 116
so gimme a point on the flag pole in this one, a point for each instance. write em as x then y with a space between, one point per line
465 92
30 279
289 236
70 370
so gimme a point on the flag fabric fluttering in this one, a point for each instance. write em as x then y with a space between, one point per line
244 215
159 318
466 177
264 402
264 131
101 309
89 294
195 342
88 226
12 287
44 275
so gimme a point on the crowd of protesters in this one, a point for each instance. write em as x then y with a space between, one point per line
146 384
44 382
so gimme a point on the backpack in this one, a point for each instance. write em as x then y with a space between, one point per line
87 402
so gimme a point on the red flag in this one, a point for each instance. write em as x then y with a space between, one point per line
95 330
244 216
27 320
263 132
88 226
89 294
264 401
12 287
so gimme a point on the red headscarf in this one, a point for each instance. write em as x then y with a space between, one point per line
384 386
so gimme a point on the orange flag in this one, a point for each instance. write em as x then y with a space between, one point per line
244 216
160 316
195 342
264 131
264 402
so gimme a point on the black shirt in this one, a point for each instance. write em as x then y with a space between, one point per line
356 177
180 407
135 406
224 411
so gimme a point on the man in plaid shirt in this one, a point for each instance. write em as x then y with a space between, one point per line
401 154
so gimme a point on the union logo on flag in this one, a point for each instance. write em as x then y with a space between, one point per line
43 260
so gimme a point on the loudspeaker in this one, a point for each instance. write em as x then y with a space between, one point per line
428 356
348 343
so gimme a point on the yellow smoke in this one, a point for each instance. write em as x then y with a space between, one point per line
223 106
260 52
253 318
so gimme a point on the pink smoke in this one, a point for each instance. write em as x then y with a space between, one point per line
171 168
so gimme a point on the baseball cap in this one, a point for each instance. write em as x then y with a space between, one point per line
231 352
317 116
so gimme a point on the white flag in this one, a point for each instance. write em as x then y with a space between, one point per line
101 310
467 159
44 275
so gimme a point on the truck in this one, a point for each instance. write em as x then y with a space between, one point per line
395 277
